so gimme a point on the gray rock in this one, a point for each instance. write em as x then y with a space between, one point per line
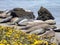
1 12
44 14
57 30
57 35
20 12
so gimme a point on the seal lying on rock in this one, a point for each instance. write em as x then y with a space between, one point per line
50 22
39 26
14 20
36 26
23 22
6 19
30 22
4 14
49 33
38 31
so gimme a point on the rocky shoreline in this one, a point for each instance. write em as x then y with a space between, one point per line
24 20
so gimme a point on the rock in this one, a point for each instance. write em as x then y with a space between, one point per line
1 12
44 14
50 22
57 30
57 35
58 26
20 12
6 19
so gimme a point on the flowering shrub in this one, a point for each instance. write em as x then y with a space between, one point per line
9 36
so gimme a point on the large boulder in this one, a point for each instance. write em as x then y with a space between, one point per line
20 12
44 14
1 12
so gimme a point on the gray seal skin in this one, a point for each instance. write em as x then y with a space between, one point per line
34 23
45 27
15 21
39 26
6 19
50 22
5 14
38 31
24 21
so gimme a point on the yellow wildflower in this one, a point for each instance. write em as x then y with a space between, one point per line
40 42
37 42
8 44
10 36
2 44
53 44
3 41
